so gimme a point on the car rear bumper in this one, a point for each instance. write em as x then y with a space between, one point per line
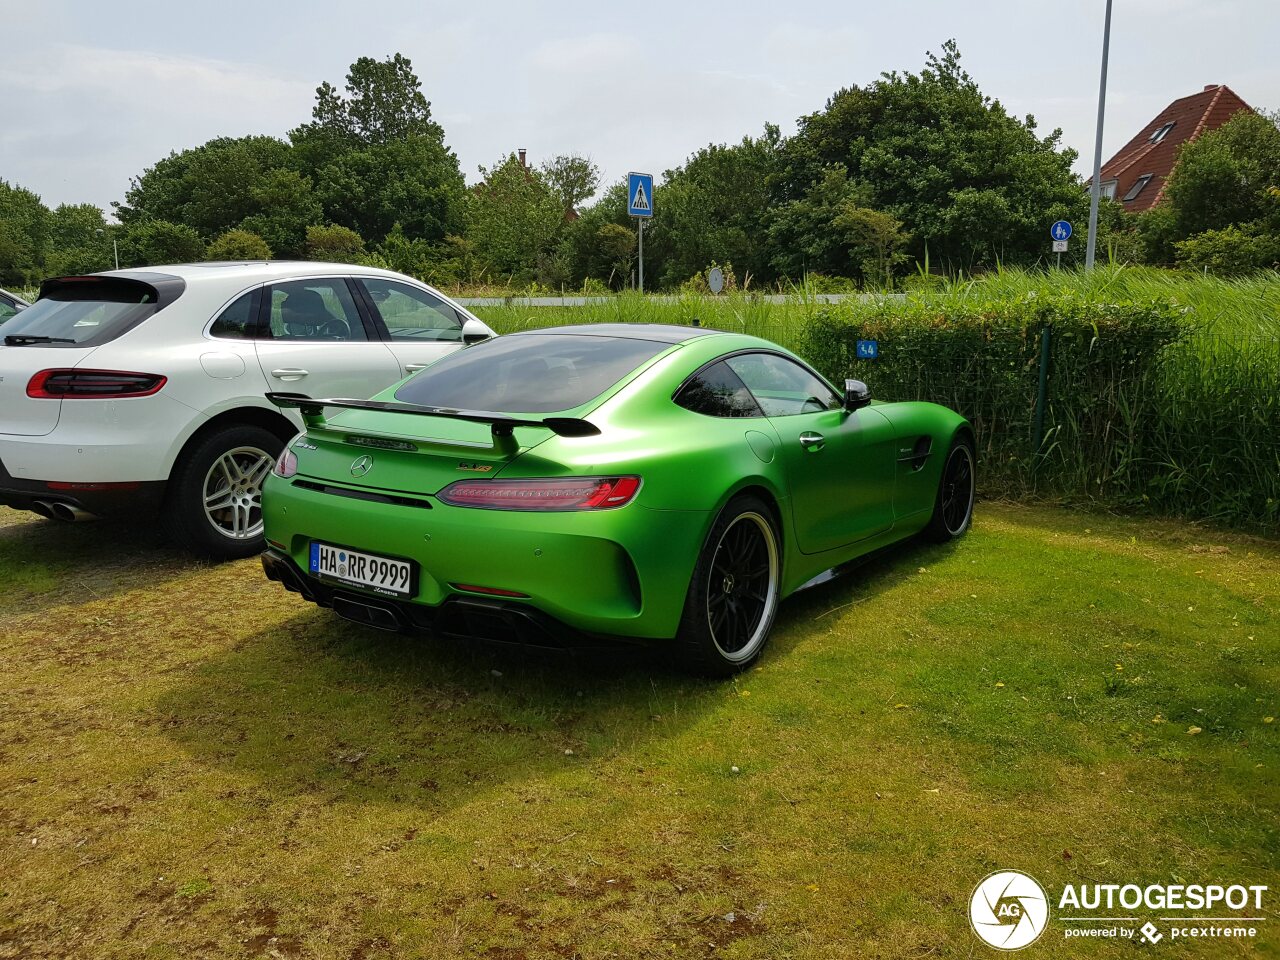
478 618
621 573
98 499
103 441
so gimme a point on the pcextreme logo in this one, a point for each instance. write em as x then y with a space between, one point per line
1009 910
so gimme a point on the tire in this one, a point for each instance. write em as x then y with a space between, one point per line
953 506
733 596
226 467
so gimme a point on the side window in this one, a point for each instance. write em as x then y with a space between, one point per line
240 320
314 310
412 314
782 387
7 311
717 392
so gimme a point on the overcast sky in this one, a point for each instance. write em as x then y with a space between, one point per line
93 92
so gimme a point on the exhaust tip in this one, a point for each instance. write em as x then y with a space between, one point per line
44 508
369 614
69 513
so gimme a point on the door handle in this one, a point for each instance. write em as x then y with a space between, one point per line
413 367
813 442
289 373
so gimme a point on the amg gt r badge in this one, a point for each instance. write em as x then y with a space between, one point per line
475 467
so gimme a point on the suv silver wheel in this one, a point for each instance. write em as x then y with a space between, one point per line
233 492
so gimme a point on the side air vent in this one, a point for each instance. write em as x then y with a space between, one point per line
917 455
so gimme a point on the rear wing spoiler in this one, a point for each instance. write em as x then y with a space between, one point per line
500 424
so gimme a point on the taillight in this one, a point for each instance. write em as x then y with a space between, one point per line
93 384
286 464
571 493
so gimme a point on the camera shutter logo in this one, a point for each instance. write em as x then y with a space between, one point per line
1008 910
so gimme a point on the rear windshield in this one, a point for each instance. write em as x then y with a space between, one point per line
91 310
528 373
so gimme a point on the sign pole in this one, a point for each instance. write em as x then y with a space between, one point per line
1095 188
640 206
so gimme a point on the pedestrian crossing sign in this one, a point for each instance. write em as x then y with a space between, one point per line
640 194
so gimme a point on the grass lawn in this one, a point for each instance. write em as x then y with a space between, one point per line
194 763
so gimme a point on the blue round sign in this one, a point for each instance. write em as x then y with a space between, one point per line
1060 230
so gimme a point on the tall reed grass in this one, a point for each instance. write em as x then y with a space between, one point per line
1164 388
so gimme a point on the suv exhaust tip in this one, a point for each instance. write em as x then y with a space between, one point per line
66 512
57 510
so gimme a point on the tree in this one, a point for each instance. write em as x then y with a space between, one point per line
383 103
287 205
802 235
211 188
152 242
377 158
573 179
1223 177
24 234
617 247
333 244
415 182
79 240
238 244
717 207
875 242
578 248
971 184
1230 251
513 217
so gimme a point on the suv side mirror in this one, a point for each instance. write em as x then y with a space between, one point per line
856 395
473 331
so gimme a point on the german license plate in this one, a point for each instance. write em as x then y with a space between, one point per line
368 570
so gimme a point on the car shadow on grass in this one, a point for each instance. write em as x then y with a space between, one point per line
44 563
321 707
852 585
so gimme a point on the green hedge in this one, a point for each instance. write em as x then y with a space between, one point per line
1141 411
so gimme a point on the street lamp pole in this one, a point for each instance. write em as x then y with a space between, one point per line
1095 192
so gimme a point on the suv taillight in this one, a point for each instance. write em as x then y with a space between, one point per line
571 493
93 384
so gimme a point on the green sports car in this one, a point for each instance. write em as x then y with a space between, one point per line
627 481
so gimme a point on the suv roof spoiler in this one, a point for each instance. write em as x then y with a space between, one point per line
502 425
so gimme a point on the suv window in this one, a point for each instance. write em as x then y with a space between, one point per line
782 387
718 392
85 309
240 320
412 314
314 310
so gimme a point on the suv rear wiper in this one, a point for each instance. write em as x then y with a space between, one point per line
24 339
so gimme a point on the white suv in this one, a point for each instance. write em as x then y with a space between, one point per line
135 390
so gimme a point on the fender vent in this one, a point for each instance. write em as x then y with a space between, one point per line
918 454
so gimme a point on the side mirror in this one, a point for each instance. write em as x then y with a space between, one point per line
856 395
473 331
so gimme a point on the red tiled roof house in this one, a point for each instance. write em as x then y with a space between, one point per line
1137 173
